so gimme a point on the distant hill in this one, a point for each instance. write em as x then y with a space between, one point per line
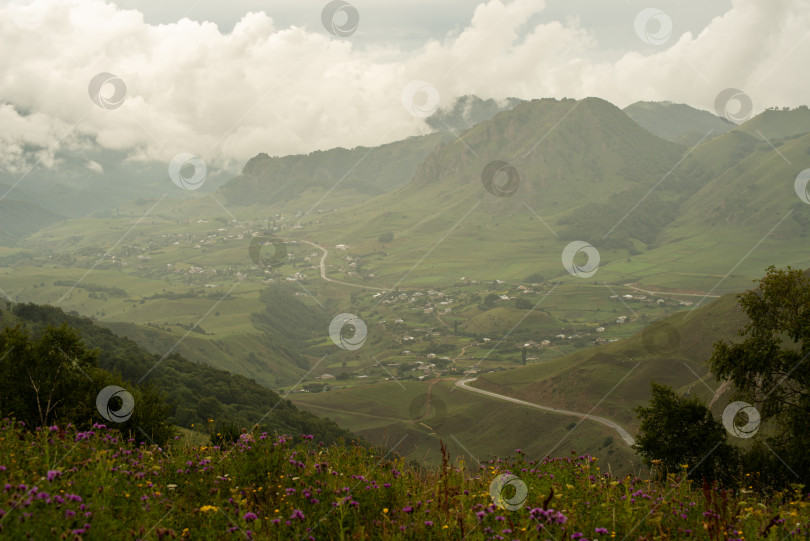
755 192
778 123
349 176
677 122
18 219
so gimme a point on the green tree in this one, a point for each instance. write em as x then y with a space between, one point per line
43 378
771 370
53 378
677 431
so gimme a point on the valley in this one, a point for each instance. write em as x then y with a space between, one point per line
451 281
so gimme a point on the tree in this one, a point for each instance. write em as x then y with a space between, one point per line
43 378
771 370
523 356
676 430
53 378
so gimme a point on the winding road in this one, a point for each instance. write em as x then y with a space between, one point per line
323 270
623 434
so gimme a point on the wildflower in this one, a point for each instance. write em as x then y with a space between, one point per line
428 523
206 508
601 531
53 474
385 511
297 514
250 516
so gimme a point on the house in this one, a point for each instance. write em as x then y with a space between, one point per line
341 246
487 339
545 342
560 336
326 376
628 296
431 355
600 329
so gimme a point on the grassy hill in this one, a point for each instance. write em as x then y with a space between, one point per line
18 219
196 392
677 122
778 123
672 351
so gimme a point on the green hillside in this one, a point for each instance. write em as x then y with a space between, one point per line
778 123
677 122
18 219
672 351
195 391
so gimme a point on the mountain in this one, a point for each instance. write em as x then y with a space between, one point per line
568 154
467 111
347 176
677 122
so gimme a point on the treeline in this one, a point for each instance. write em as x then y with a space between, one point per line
192 392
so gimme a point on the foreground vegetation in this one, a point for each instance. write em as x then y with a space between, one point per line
100 484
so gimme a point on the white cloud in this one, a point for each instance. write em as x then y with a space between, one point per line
261 88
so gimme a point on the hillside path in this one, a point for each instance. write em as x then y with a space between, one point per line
323 269
623 434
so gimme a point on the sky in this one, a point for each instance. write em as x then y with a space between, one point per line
228 80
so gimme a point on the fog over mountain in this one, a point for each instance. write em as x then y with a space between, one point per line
227 95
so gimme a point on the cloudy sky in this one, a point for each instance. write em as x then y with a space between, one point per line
227 80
